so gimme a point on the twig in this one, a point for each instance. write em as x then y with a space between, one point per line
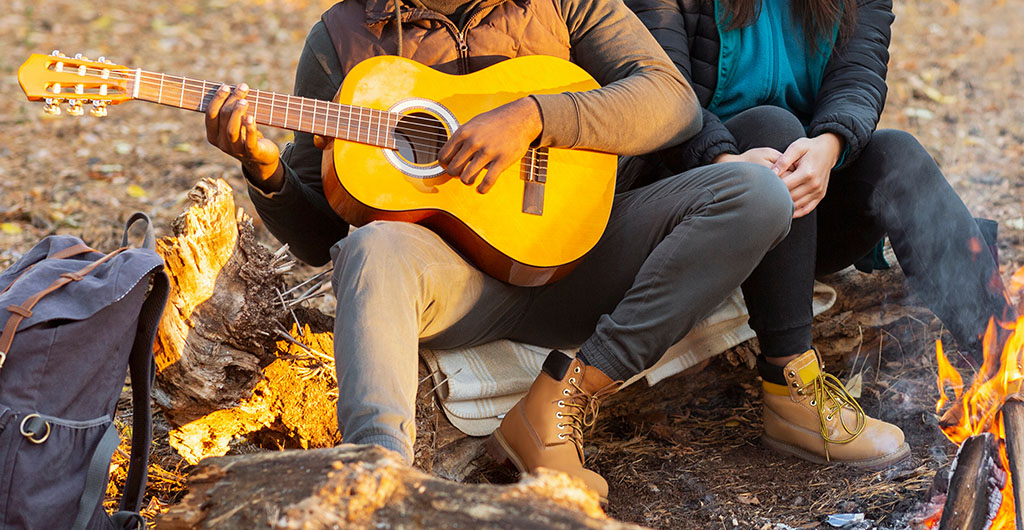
302 333
288 337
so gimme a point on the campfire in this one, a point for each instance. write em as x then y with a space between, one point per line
986 420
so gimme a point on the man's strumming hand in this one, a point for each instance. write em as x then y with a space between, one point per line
491 141
230 128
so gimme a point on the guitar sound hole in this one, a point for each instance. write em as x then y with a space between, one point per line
419 137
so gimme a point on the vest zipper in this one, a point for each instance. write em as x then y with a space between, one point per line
460 38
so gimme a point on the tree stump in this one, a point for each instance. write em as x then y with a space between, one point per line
228 370
368 487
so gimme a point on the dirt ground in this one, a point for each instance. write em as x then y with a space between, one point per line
684 454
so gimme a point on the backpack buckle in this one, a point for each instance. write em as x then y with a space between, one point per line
31 430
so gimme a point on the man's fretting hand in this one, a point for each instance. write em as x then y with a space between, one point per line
491 141
233 130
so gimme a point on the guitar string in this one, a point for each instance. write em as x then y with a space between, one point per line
331 111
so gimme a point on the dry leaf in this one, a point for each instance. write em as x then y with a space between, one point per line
855 385
10 228
136 191
748 498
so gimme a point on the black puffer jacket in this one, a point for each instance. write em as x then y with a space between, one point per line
849 101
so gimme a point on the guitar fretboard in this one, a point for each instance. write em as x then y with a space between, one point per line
335 120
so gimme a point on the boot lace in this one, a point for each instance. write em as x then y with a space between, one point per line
829 397
583 407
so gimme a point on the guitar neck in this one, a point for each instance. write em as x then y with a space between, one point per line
314 116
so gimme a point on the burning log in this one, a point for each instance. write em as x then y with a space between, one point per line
973 496
367 487
1013 426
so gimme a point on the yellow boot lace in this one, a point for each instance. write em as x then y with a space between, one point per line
583 408
829 398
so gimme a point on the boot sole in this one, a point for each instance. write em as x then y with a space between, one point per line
503 455
874 464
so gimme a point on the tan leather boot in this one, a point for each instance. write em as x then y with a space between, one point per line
545 428
815 418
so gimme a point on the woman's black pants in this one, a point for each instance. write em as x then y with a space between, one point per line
893 188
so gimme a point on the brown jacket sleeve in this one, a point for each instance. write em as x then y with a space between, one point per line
644 103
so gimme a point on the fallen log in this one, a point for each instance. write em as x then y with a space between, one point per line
973 495
368 487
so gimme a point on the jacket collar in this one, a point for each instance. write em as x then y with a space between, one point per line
378 11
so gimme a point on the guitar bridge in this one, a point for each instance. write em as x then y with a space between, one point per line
534 172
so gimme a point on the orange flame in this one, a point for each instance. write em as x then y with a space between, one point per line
979 407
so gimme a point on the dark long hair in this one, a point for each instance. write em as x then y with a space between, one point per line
818 17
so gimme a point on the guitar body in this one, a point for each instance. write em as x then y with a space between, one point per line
540 217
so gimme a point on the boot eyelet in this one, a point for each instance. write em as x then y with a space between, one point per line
565 392
792 373
829 417
558 415
572 380
813 402
795 384
561 425
800 392
561 436
576 370
561 404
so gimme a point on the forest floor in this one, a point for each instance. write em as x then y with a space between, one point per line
684 454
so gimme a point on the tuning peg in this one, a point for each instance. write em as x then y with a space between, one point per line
75 108
80 57
56 53
99 109
52 107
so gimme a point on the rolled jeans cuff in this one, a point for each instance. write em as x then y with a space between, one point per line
603 359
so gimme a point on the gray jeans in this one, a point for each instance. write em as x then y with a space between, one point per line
672 251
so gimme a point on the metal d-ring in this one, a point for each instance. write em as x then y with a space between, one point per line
30 435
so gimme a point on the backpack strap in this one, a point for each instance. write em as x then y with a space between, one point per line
142 368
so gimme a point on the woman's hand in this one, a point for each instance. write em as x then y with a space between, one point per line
231 129
763 156
805 168
491 141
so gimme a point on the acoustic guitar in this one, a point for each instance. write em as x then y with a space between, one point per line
390 118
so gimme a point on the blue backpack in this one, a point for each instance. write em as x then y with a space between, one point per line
74 321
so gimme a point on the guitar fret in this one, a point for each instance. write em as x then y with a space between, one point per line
181 94
160 95
202 98
256 105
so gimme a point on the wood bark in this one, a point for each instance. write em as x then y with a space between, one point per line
1013 426
368 487
973 496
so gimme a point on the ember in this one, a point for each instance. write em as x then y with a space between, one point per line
979 408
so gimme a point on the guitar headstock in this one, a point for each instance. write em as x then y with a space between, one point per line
57 78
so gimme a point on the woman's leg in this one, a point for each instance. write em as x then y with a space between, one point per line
894 187
779 292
